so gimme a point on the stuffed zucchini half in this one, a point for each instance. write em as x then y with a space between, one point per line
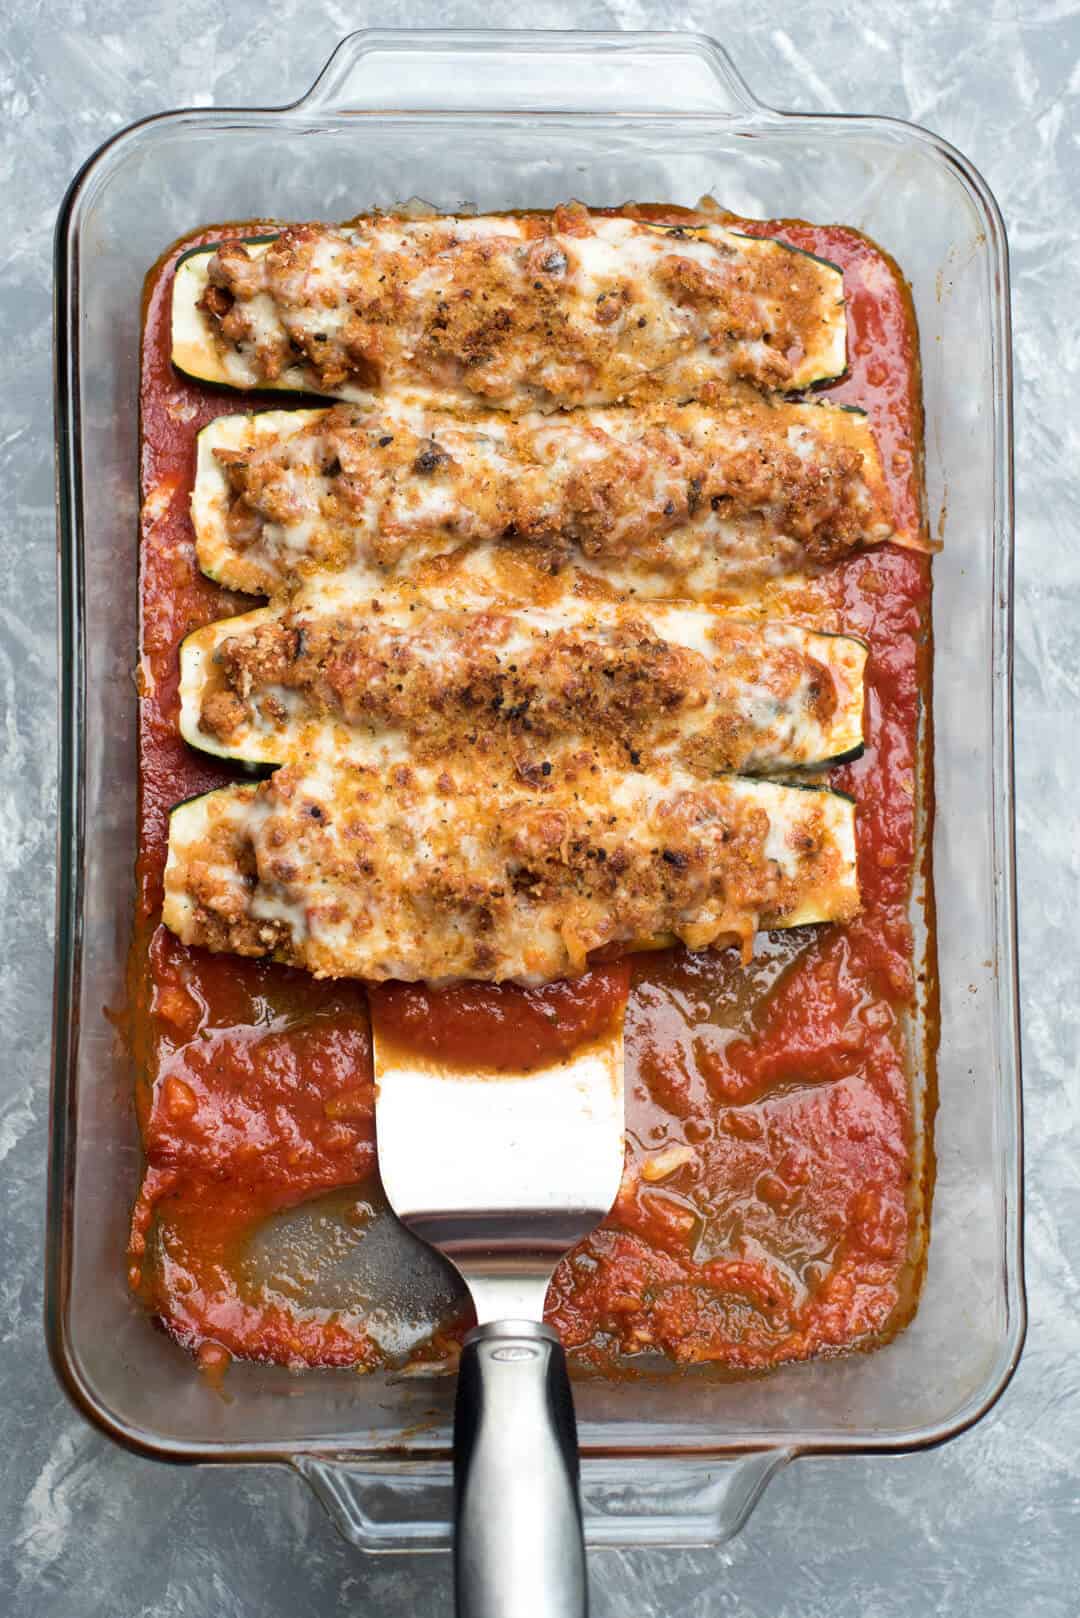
663 500
375 682
450 872
531 312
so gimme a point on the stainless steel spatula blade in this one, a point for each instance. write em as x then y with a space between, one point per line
503 1174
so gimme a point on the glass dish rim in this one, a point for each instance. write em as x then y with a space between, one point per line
315 103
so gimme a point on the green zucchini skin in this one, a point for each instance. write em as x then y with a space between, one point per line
196 797
803 252
211 247
833 763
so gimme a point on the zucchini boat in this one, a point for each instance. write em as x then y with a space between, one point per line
664 500
449 871
337 677
531 312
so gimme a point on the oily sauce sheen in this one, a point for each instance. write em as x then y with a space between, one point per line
773 1204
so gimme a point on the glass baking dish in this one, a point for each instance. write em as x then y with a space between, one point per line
528 120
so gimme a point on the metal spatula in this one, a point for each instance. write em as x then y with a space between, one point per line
503 1175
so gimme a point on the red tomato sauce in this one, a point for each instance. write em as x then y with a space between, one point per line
510 1031
771 1208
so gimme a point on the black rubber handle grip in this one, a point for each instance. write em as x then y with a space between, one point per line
518 1546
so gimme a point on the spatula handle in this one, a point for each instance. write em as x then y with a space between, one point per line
518 1546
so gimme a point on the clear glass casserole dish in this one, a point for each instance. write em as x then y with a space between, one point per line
528 120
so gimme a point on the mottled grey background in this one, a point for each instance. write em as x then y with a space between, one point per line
989 1524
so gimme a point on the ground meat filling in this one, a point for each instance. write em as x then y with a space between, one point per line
559 310
466 680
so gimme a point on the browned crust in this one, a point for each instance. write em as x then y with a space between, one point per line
512 880
626 690
500 320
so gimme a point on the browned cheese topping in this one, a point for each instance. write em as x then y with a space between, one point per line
443 872
545 311
671 500
503 713
682 684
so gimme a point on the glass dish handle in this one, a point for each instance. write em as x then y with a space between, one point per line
407 70
682 1501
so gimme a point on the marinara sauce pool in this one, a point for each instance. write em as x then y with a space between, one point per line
775 1197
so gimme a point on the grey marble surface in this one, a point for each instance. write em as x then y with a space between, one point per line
989 1524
